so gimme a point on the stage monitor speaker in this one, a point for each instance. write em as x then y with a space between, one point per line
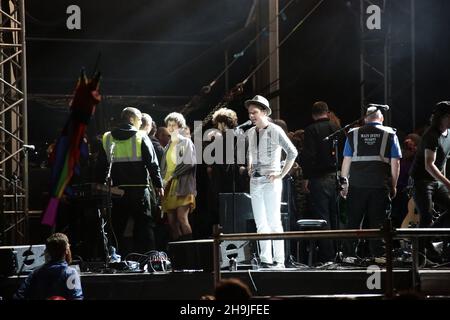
198 254
24 259
191 255
239 250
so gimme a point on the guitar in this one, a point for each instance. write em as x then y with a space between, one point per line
412 219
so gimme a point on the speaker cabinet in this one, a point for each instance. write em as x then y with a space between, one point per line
24 259
198 254
233 219
239 250
194 255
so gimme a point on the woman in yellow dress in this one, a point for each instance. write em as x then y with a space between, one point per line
178 167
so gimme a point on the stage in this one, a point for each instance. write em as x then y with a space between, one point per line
349 283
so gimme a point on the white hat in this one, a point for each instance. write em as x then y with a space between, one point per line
261 101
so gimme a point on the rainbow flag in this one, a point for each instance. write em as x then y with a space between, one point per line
66 154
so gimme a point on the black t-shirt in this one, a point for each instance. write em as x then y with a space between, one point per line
435 141
318 155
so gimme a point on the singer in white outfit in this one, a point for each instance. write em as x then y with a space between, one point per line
266 140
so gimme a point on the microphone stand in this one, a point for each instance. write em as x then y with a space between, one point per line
233 184
236 133
108 207
339 255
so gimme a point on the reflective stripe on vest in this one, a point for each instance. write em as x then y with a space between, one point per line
124 150
380 157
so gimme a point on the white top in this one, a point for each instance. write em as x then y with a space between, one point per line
266 157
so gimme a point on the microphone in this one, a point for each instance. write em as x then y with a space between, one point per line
206 89
383 107
27 147
111 150
245 124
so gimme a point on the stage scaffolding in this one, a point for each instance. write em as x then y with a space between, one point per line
13 125
387 58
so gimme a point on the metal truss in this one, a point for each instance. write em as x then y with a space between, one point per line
373 57
402 87
387 60
13 123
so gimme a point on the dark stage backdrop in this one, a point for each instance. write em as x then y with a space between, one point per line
153 54
321 61
171 49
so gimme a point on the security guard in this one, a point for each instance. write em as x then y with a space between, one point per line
369 174
133 161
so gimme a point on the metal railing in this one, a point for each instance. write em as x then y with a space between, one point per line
387 233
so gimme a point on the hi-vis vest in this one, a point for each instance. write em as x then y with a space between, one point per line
124 150
371 146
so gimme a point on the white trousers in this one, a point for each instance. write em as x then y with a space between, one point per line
266 202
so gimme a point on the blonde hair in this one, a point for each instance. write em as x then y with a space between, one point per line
176 117
146 120
130 112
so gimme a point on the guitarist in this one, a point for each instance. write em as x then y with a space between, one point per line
400 202
428 171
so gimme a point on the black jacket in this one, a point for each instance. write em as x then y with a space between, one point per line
158 148
131 173
317 157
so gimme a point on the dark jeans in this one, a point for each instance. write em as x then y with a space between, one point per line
137 204
367 208
425 192
323 204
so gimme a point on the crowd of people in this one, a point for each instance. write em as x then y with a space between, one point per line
170 195
162 181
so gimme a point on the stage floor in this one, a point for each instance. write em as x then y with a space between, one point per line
289 283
